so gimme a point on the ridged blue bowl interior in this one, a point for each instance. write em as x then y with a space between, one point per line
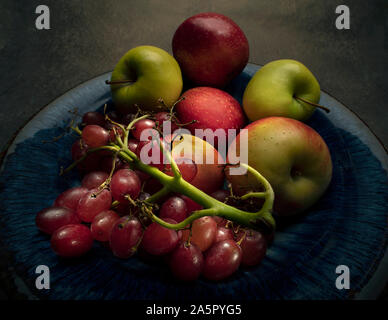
346 227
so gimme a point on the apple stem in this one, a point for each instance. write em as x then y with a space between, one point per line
119 81
313 104
186 124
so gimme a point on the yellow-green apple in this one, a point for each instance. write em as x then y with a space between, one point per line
211 49
292 156
210 174
210 108
198 161
144 76
283 88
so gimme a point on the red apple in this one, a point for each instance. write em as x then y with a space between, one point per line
292 156
211 49
211 109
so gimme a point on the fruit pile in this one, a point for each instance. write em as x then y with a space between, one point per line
142 192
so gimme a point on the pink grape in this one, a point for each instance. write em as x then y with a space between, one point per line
70 198
223 234
203 233
125 236
92 203
174 208
124 183
222 260
253 246
186 262
158 240
50 219
94 179
102 225
93 117
95 136
72 240
141 125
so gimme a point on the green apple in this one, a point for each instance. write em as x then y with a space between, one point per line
292 156
283 88
143 77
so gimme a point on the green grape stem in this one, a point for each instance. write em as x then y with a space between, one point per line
176 183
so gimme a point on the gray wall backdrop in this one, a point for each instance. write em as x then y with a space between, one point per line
88 37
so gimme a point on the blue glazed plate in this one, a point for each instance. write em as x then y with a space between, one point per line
347 227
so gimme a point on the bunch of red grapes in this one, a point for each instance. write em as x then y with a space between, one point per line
104 208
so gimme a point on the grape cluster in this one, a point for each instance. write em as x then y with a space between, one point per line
108 207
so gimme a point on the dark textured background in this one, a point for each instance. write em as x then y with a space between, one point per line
88 37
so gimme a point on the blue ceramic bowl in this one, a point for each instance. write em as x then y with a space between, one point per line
347 227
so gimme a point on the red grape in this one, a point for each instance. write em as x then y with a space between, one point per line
203 232
124 183
222 260
95 136
223 234
94 179
174 208
158 240
186 261
253 246
102 225
219 220
162 117
132 145
106 164
72 240
123 208
92 203
93 117
191 204
127 118
125 236
91 162
141 125
115 130
70 198
114 116
142 175
152 185
50 219
220 195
